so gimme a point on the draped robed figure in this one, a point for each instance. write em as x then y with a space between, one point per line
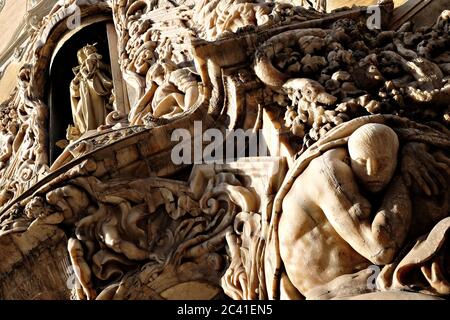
90 90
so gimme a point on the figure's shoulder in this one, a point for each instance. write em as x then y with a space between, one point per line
333 165
334 158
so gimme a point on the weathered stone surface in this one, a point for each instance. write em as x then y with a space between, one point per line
35 265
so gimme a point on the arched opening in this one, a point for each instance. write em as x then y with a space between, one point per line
62 73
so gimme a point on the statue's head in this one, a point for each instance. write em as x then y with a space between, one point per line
81 56
373 150
84 52
89 49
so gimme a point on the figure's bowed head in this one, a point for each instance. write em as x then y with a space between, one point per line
373 150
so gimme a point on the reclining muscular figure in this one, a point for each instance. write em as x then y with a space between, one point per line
332 224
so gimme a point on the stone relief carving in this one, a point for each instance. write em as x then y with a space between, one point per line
24 155
194 230
377 231
360 178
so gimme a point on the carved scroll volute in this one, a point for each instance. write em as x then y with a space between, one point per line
244 278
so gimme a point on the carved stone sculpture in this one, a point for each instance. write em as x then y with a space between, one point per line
90 90
346 179
351 200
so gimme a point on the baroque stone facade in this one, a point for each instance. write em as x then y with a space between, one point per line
351 201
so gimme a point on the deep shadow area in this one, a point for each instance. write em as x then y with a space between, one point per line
61 74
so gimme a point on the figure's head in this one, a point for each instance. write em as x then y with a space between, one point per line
81 56
373 150
84 52
90 49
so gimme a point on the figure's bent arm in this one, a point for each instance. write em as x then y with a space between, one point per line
377 238
391 223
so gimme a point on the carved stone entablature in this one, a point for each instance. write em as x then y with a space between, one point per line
355 118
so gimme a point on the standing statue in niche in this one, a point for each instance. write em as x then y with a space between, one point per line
90 92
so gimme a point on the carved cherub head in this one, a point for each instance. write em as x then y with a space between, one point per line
72 133
373 150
